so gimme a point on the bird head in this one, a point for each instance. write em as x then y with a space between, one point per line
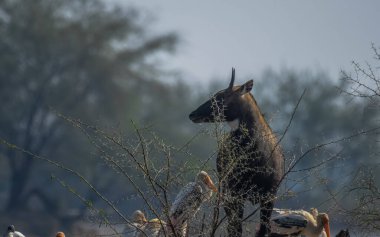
60 234
314 212
205 179
11 228
138 217
324 218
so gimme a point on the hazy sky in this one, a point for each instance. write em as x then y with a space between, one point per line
254 35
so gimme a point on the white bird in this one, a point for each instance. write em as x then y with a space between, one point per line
189 200
11 232
155 227
314 213
138 220
299 222
145 228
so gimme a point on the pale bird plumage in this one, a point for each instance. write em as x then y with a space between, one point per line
156 227
314 213
138 220
138 217
11 232
145 228
189 200
299 222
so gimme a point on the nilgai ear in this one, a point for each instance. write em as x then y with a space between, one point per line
247 87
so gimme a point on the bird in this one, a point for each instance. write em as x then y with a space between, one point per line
314 212
138 217
60 234
155 227
299 222
188 201
11 232
145 228
138 220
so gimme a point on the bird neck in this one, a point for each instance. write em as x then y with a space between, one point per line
203 186
206 191
317 227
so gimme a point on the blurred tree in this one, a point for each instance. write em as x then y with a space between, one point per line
94 62
363 83
81 58
324 115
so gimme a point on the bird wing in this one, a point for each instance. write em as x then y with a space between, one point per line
18 234
187 202
137 227
277 211
288 223
154 227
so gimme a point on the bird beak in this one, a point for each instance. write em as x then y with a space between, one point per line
327 229
210 184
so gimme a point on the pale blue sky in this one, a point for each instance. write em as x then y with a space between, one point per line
254 35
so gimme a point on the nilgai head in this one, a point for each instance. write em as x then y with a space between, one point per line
225 105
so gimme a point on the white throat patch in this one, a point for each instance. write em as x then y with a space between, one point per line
234 124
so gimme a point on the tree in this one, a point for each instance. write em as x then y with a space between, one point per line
323 116
363 84
69 57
